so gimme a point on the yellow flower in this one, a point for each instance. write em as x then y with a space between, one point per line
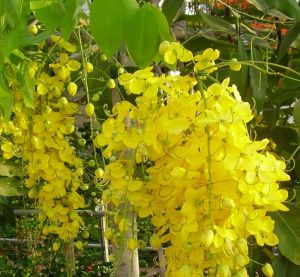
155 242
174 51
39 161
64 44
65 66
206 61
135 83
8 149
235 65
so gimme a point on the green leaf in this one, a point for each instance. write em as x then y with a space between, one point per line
27 86
16 12
171 8
286 96
296 113
143 36
284 268
10 41
108 23
163 25
287 7
131 8
54 13
69 17
9 187
279 8
6 102
259 83
292 80
7 216
12 12
31 40
50 15
256 253
242 56
297 190
259 4
288 39
201 43
40 4
7 168
288 231
217 23
92 221
285 137
240 78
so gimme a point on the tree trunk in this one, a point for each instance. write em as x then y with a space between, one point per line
127 261
70 258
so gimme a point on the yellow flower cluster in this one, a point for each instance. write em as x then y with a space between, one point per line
205 184
39 136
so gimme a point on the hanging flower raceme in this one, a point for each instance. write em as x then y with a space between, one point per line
39 136
207 187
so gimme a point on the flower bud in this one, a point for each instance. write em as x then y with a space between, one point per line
132 244
63 101
227 203
47 124
235 65
267 270
79 245
108 234
185 271
207 238
155 242
72 88
73 215
95 98
48 110
121 70
88 67
56 246
85 186
89 109
79 171
242 246
82 141
33 29
224 271
111 83
124 225
99 172
32 193
85 234
241 260
103 58
91 163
